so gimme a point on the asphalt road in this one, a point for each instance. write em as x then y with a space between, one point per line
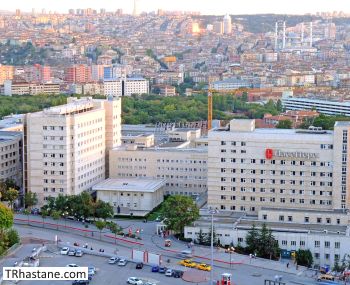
243 274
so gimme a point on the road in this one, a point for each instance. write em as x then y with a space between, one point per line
242 273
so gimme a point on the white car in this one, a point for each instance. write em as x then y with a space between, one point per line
169 272
113 260
65 250
122 262
134 281
72 265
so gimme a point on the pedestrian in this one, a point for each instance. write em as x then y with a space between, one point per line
287 264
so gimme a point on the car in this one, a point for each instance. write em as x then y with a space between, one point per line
204 267
139 265
80 282
162 269
325 277
72 265
188 263
122 262
155 268
134 281
149 283
64 250
178 274
92 270
169 272
78 253
113 260
71 252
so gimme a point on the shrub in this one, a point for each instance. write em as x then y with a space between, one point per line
13 237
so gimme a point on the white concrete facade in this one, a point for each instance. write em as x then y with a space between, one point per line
249 169
66 147
136 194
126 87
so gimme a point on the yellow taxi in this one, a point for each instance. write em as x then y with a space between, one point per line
188 263
204 267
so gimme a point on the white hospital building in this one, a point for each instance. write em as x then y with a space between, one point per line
66 147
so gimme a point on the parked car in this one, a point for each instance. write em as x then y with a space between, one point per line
78 253
177 274
64 250
134 281
139 265
113 260
325 277
122 262
169 272
162 269
72 265
188 263
71 252
92 270
81 282
155 269
149 283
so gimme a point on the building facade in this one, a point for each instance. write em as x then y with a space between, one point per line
252 168
66 147
126 86
11 156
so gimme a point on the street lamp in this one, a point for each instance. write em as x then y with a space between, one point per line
212 212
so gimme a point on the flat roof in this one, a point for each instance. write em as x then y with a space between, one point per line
147 185
320 101
8 135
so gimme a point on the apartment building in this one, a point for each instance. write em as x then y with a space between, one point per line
183 166
322 106
249 168
6 73
11 156
126 86
66 147
24 88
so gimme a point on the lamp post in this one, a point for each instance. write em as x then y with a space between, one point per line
212 212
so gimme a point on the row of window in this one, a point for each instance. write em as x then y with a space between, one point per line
277 172
274 162
281 200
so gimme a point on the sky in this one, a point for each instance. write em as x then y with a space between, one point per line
218 7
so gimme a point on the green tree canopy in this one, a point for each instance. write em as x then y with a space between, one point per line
304 257
6 217
30 199
178 212
284 124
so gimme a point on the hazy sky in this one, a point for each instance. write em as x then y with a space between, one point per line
204 6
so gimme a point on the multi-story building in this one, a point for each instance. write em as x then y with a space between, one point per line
249 168
6 73
78 74
38 73
126 86
322 106
230 84
183 166
66 147
24 88
11 156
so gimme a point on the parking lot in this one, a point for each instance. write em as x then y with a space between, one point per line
106 273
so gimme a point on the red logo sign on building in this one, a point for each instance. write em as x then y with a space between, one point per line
268 153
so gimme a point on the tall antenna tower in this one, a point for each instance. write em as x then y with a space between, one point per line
135 10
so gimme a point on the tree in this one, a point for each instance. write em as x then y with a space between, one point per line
104 210
207 240
13 237
27 213
284 124
56 215
100 225
201 237
304 257
279 106
6 217
115 229
244 96
178 212
44 214
252 239
3 189
272 247
30 199
11 196
267 244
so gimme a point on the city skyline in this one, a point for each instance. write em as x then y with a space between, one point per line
206 7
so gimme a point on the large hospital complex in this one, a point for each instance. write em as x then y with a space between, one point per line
295 181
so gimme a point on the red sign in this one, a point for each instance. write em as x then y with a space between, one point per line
268 153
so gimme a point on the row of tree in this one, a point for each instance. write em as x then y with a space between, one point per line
8 236
80 206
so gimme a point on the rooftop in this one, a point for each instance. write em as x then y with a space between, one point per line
148 185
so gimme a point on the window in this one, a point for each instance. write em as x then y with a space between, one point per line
306 219
317 243
327 244
290 219
317 255
326 256
281 218
284 242
293 243
302 243
319 220
264 217
337 244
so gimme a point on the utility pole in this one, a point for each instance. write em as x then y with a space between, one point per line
212 212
